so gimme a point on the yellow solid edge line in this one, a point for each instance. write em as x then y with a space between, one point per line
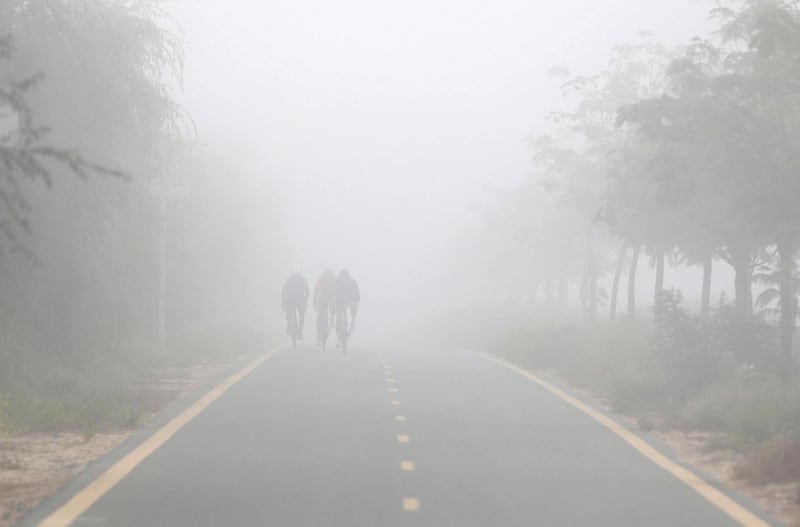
712 494
80 503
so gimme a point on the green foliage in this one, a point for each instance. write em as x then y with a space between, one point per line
692 353
690 154
84 85
101 410
768 301
747 408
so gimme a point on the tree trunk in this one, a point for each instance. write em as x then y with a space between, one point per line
632 284
786 252
744 346
592 275
535 292
583 292
743 286
562 285
623 250
705 307
549 291
659 288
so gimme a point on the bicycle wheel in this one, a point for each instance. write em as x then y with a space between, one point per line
345 332
293 330
322 328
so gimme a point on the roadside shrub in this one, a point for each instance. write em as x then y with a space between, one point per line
596 356
760 345
98 388
638 396
775 461
683 348
203 344
748 407
28 412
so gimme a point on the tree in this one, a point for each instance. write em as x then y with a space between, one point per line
26 154
768 76
96 78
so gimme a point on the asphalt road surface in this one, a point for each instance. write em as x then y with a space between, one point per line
391 437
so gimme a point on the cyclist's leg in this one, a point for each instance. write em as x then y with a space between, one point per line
353 314
289 316
301 319
338 316
319 325
322 323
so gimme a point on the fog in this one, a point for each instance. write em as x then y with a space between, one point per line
599 196
381 124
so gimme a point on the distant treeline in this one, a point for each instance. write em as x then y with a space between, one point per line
688 155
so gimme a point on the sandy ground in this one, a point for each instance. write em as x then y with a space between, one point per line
34 466
692 448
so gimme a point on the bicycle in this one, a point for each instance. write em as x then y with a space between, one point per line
343 329
323 326
294 329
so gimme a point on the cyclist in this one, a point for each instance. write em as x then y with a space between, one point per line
347 296
324 296
294 300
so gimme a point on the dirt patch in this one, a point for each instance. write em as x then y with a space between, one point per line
693 449
34 466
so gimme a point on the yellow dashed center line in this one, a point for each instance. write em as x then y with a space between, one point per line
410 504
407 466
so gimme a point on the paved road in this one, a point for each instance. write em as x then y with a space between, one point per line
391 438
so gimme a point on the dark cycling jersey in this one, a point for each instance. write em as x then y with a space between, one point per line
325 291
295 292
347 292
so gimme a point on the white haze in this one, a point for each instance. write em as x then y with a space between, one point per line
379 123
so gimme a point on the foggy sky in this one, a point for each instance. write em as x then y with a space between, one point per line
380 122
